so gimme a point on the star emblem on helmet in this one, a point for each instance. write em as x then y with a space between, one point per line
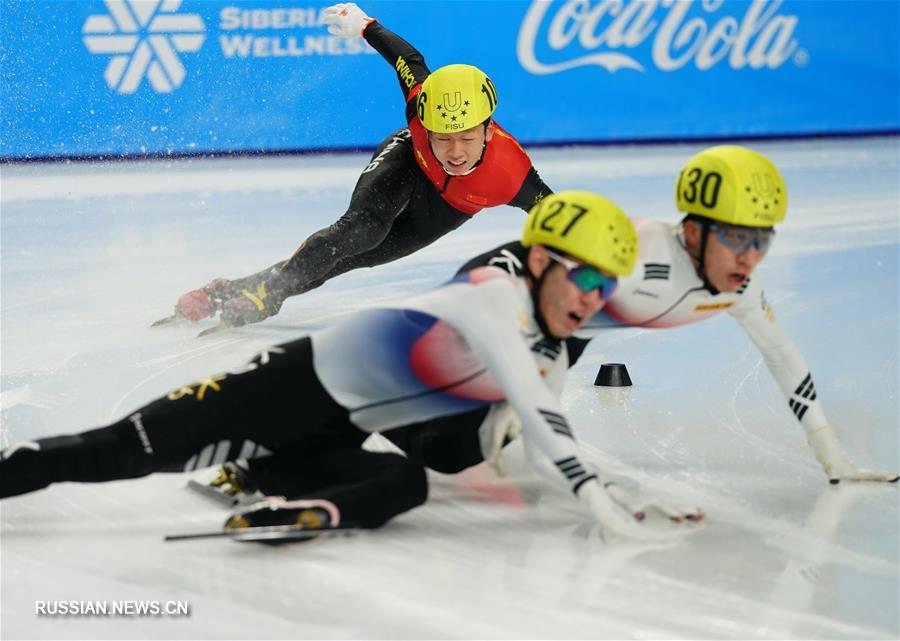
463 112
443 115
466 103
453 118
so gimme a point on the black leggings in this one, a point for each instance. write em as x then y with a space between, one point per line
275 405
393 212
447 444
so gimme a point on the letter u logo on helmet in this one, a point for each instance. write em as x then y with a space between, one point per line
734 185
456 97
585 226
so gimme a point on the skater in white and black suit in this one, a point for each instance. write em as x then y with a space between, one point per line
693 271
487 337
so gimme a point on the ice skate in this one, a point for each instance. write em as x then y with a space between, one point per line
200 303
231 486
275 520
246 307
302 514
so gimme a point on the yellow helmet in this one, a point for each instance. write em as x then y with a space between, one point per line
734 185
585 226
454 98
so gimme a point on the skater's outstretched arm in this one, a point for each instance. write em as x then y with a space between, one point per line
789 369
488 319
533 190
348 21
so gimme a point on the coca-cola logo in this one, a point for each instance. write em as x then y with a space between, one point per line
557 36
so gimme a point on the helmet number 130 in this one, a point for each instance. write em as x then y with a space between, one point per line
698 185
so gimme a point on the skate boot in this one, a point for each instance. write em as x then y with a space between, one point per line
305 514
254 298
248 306
206 301
201 303
231 485
231 479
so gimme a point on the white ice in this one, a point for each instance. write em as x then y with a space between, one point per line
93 253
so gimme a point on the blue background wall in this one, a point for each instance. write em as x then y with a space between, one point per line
264 76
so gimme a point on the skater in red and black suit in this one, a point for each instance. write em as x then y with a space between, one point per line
450 162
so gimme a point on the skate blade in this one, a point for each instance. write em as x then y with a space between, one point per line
212 493
273 534
220 327
177 317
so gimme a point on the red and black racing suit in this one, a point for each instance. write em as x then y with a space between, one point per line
404 200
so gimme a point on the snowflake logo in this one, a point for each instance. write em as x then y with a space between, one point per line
143 37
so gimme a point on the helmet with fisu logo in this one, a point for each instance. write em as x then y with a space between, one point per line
733 185
454 98
585 226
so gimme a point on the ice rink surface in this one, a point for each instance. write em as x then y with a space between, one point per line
93 253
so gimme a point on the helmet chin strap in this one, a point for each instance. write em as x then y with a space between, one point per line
536 284
701 257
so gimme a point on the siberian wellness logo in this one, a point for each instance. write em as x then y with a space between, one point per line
143 38
556 36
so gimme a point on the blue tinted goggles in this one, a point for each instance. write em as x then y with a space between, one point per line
585 277
739 239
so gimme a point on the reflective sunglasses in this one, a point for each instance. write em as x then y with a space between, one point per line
739 239
585 277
